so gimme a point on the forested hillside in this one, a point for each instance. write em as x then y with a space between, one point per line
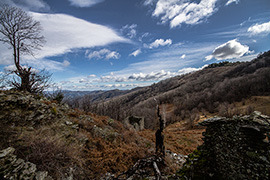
207 90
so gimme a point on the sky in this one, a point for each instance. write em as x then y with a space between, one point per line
123 44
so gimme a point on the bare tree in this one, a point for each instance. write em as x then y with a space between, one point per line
23 35
2 78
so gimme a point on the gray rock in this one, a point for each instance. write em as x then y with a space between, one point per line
13 168
134 122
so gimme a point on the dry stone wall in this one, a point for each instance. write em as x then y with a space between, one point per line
233 148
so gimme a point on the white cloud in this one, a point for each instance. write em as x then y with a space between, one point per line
178 12
129 30
47 64
260 29
169 59
160 42
11 68
229 50
84 3
148 2
144 35
103 54
188 70
145 77
232 1
153 76
66 63
33 5
136 53
64 33
183 56
92 76
6 57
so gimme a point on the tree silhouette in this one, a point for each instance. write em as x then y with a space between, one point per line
23 35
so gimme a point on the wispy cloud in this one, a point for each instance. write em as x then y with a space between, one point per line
179 12
243 31
48 64
136 53
32 5
229 50
64 33
129 30
84 3
102 54
40 64
6 58
168 59
232 1
263 29
160 42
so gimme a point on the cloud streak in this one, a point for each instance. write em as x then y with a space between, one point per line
102 54
64 33
84 3
32 5
260 29
232 1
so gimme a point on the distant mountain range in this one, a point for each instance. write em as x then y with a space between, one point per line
185 96
95 95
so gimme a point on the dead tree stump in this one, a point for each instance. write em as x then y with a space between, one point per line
160 148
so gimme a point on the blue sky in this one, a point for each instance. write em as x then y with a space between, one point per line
109 44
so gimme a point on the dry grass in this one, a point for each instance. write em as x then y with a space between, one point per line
52 154
257 103
178 140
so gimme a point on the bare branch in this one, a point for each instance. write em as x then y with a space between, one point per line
23 34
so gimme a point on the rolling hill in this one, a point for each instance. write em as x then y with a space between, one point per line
210 90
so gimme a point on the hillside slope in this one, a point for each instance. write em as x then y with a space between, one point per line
61 141
207 90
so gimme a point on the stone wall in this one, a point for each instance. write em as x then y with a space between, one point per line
233 148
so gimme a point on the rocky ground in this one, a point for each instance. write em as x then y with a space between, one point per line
57 139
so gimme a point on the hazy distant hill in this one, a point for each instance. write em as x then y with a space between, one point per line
91 96
210 89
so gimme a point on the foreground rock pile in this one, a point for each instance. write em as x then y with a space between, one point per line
64 142
234 148
12 167
23 108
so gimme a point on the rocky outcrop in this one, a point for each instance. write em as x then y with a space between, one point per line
233 148
23 108
135 122
12 167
